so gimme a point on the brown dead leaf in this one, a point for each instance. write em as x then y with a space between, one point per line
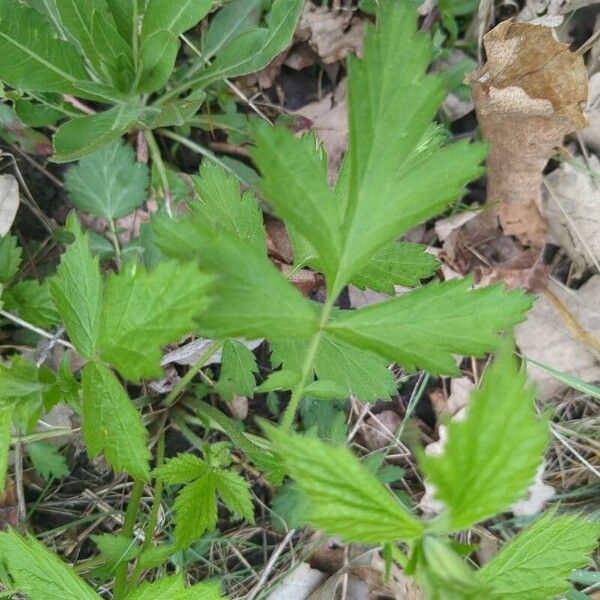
528 96
546 337
378 431
572 206
328 118
332 34
8 506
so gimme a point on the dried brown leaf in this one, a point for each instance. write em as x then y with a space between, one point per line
528 96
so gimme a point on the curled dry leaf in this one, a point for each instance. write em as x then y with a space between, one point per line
528 96
299 583
332 34
9 202
572 206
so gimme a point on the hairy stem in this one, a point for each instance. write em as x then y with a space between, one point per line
307 367
128 527
160 167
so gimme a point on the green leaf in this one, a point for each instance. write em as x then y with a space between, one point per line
32 301
589 389
232 20
19 380
39 61
195 510
93 27
126 15
39 573
6 420
116 548
425 328
326 390
111 423
360 372
255 49
77 292
110 183
10 258
280 380
222 207
255 300
176 17
181 469
295 182
238 366
84 135
173 588
535 565
47 460
491 457
143 311
196 504
234 490
346 499
157 56
397 264
37 115
395 175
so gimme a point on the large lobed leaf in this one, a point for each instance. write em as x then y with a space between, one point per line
491 457
425 328
535 565
396 174
346 499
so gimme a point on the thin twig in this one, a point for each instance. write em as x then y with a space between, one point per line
38 330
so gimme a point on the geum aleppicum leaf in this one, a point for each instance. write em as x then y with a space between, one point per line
10 258
491 457
397 176
358 371
427 327
112 423
536 563
143 311
110 183
255 300
39 573
77 291
196 504
346 499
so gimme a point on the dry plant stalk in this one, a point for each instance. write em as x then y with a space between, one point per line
528 96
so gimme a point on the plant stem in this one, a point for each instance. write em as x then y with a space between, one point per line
153 520
128 527
115 240
160 166
193 371
307 367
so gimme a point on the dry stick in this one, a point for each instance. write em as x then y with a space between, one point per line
38 330
270 565
584 336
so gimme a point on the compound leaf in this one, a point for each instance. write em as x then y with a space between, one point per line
234 490
110 183
39 573
346 499
112 423
535 565
47 460
425 328
181 469
143 311
77 291
491 457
